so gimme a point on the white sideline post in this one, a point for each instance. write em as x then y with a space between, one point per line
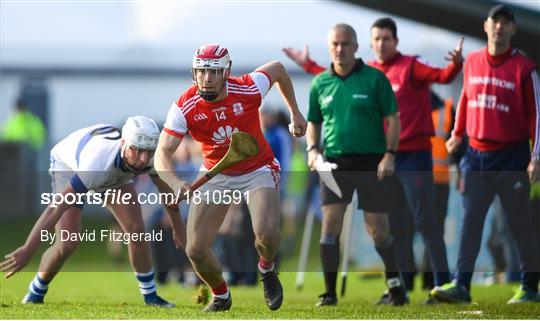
347 232
304 250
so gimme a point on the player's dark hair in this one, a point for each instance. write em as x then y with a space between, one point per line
386 23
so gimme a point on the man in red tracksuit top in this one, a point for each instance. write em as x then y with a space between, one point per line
499 111
411 79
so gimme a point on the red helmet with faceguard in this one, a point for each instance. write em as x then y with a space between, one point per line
213 57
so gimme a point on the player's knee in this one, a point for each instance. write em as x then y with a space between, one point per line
267 238
196 253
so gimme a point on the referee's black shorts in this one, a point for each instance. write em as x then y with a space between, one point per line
359 172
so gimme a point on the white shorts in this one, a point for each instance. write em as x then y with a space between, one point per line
263 177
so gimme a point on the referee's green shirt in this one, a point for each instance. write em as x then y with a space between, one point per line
352 109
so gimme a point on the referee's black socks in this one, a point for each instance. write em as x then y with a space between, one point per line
329 246
386 252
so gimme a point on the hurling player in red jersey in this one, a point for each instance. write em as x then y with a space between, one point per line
499 111
211 110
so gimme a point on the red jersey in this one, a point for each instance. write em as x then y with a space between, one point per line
494 108
213 123
414 103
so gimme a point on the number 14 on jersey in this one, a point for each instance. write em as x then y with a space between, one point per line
220 115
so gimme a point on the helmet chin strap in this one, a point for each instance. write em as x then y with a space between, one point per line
207 96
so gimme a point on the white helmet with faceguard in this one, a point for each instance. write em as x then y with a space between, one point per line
211 58
141 133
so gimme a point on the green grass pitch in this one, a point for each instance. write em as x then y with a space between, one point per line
114 295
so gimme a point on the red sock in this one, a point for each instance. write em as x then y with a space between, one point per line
220 290
264 264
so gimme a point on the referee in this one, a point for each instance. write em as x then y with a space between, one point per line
352 101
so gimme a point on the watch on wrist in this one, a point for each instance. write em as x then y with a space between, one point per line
311 147
391 151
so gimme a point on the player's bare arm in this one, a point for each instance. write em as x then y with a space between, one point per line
163 163
178 227
18 259
279 75
386 166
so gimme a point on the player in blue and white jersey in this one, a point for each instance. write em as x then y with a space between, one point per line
96 159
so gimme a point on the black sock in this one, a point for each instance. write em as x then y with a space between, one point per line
329 245
386 251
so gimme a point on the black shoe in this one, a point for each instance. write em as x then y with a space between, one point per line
219 305
398 296
157 301
273 291
327 299
395 295
388 299
384 299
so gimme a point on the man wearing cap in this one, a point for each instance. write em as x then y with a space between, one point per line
499 111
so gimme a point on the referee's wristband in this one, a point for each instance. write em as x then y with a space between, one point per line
391 152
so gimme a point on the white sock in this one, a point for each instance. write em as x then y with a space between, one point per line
38 287
222 296
393 282
265 270
146 282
